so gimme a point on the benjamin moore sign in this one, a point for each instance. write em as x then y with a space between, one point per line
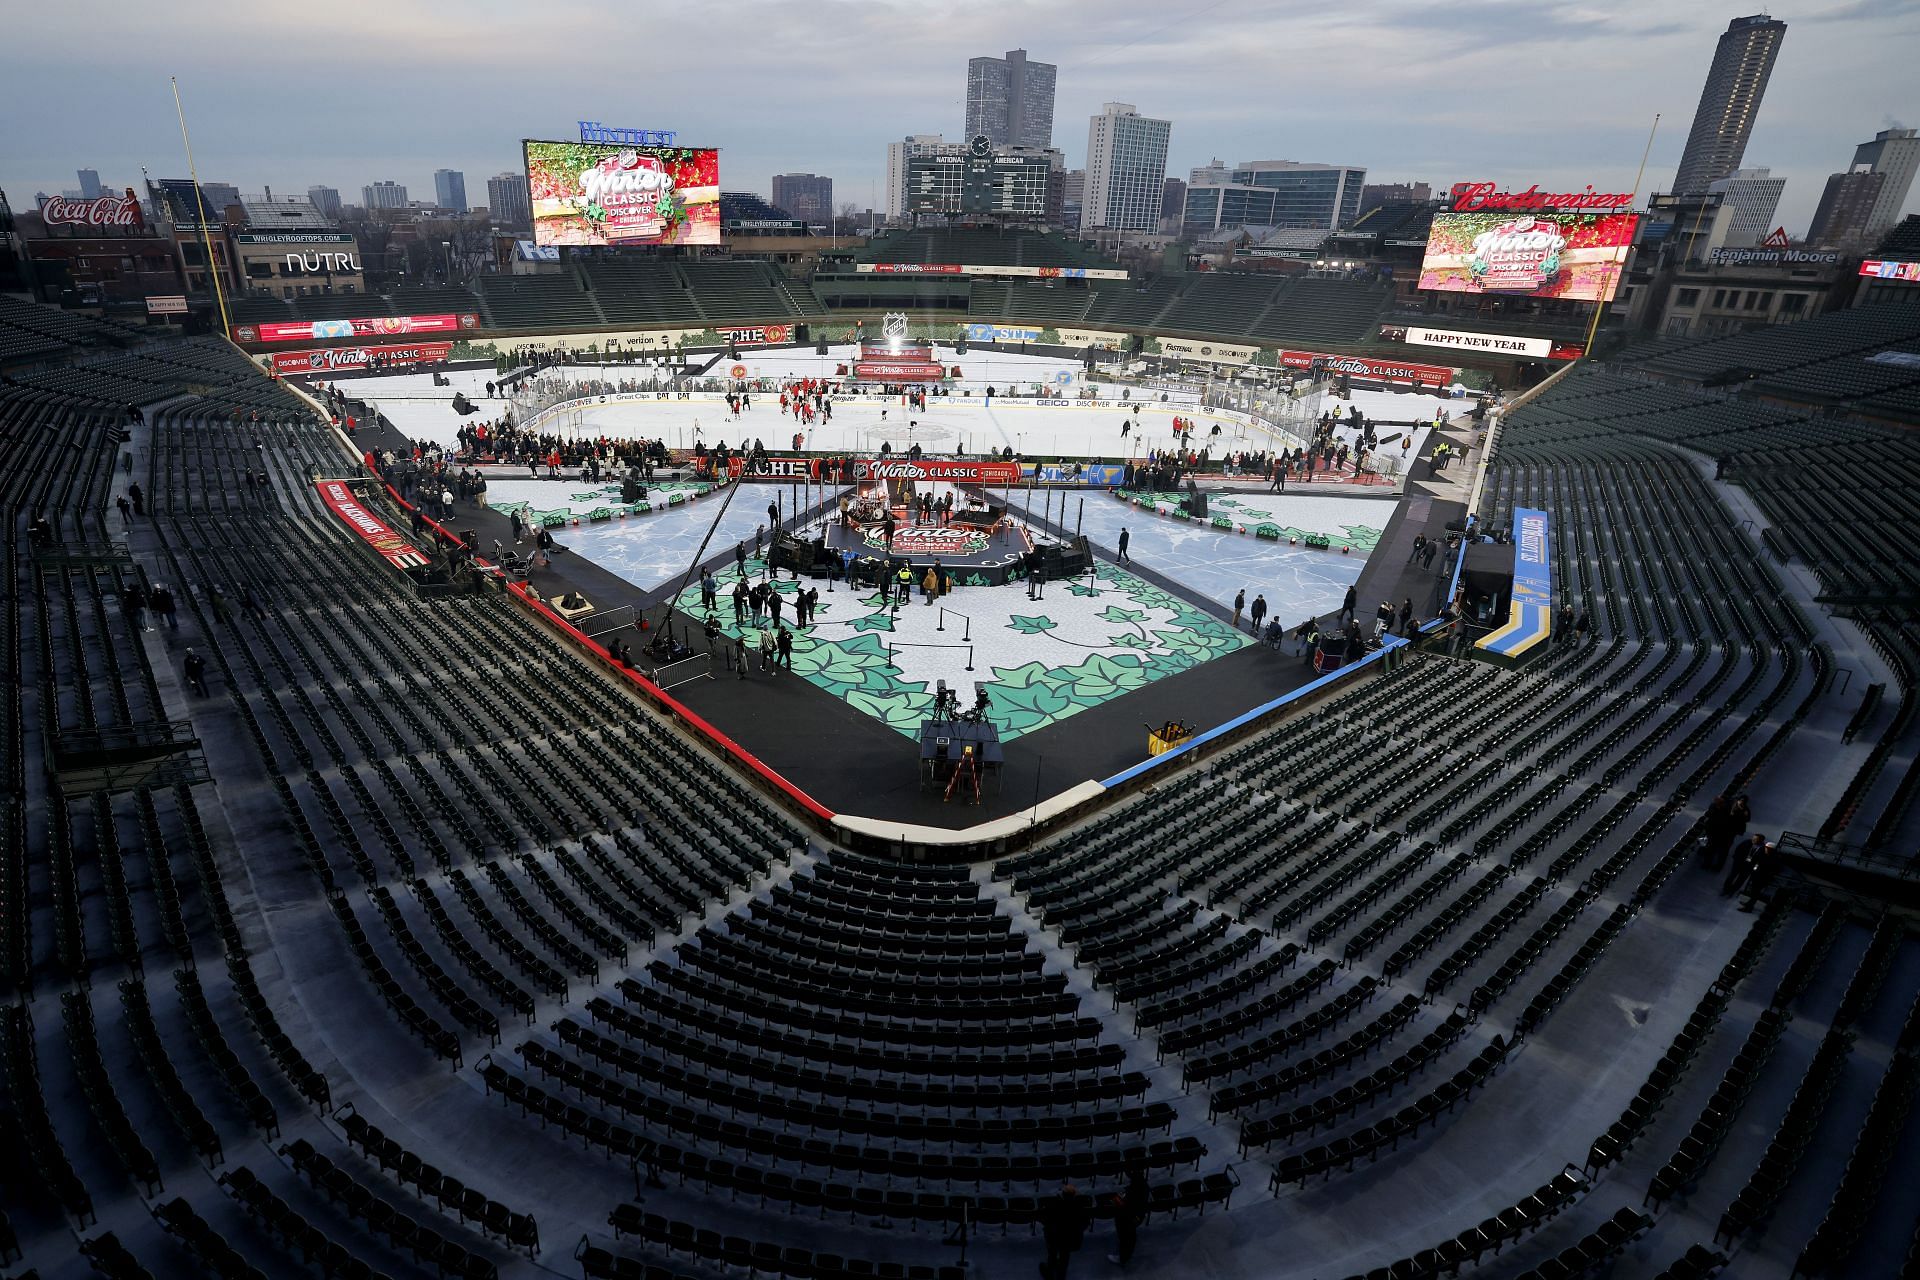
1771 258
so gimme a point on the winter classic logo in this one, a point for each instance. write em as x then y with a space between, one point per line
1520 254
929 540
630 195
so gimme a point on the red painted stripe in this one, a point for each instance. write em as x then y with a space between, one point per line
699 723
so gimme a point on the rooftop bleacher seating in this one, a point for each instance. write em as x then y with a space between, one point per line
538 302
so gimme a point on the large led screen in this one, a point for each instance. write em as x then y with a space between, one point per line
593 193
1544 253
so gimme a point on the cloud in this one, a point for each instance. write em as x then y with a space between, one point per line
1497 89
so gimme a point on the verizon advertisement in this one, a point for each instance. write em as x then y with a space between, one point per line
390 546
364 327
1360 367
337 359
1499 344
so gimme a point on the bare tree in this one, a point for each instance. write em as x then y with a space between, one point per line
848 220
373 236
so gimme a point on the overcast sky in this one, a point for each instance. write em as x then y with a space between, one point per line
357 90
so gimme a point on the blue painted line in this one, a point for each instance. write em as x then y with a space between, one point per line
1221 730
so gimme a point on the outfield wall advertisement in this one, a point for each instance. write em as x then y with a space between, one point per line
594 194
1544 253
362 327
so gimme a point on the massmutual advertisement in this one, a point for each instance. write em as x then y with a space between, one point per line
1542 253
591 193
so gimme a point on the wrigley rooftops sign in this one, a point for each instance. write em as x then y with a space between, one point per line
1771 258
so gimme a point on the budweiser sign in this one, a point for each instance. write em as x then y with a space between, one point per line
1470 196
333 359
101 211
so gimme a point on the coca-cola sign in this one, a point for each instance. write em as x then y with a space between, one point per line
101 211
334 359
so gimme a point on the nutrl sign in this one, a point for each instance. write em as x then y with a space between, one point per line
1471 196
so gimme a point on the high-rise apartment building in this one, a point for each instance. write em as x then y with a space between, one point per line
1893 152
1729 101
450 189
1126 169
509 204
807 196
386 194
1846 206
89 184
325 199
1011 100
1752 195
1073 194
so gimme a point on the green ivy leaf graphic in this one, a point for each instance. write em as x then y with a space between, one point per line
1100 677
1030 626
1022 677
903 709
1129 641
880 621
839 665
1028 706
1083 589
1114 613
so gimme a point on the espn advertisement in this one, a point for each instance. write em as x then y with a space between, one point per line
1545 253
596 194
365 327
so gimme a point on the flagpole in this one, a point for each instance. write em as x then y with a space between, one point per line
1599 305
200 203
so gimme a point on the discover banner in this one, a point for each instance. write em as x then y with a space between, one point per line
1210 352
335 359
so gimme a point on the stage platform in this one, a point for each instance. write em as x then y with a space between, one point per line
975 557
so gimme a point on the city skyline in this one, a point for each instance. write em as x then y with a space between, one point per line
1414 124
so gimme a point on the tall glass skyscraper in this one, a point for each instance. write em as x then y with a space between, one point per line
1728 102
1010 100
1126 169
